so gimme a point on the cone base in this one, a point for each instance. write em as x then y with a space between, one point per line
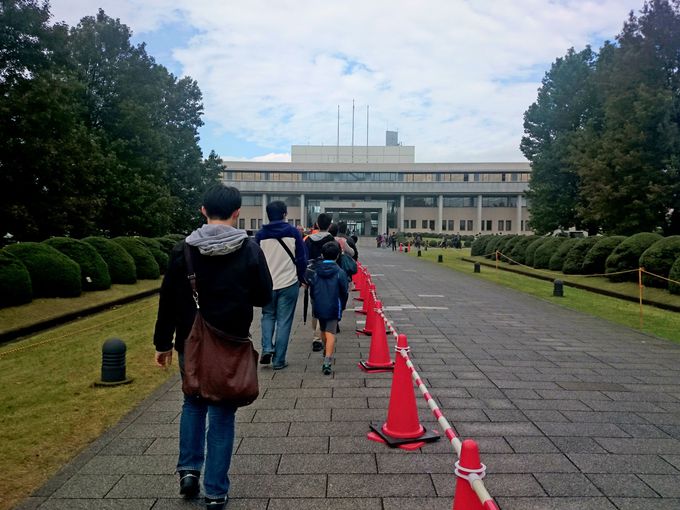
358 299
364 332
367 367
377 434
361 312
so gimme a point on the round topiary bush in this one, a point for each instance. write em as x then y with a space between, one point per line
162 258
53 274
494 244
15 282
544 252
674 275
531 250
479 245
176 237
519 249
94 272
167 244
147 267
121 265
626 256
505 246
557 260
574 259
659 259
593 262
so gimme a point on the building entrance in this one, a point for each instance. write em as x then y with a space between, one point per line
366 218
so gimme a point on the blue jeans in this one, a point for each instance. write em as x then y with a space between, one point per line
279 314
193 454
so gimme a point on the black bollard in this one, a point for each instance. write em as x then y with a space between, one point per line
420 254
478 267
113 363
558 288
440 258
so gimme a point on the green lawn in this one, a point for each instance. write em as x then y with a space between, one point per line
49 410
42 309
662 323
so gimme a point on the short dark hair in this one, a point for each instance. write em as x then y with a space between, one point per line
324 221
330 250
221 201
342 227
333 229
276 210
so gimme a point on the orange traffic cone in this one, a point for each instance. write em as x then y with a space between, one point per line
358 278
465 498
365 288
379 352
371 316
368 303
402 428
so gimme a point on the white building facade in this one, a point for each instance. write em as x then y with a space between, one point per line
381 189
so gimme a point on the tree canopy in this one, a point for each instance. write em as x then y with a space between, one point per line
603 136
97 137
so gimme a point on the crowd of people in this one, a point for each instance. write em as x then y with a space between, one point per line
232 273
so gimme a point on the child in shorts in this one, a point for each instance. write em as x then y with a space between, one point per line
329 292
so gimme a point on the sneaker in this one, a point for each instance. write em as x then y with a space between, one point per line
188 483
326 369
215 504
280 367
266 358
317 345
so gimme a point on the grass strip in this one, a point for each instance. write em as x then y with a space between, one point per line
49 410
45 309
658 322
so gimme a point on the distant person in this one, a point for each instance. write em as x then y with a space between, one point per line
313 244
231 277
342 233
345 247
329 290
287 261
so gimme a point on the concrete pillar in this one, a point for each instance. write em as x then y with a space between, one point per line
440 213
303 211
264 209
400 226
382 220
518 227
478 226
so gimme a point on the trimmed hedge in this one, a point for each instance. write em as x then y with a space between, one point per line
674 274
147 267
557 260
167 244
505 246
53 274
531 250
659 259
15 282
161 258
120 263
493 245
479 245
574 259
626 256
519 249
547 249
94 272
594 261
176 237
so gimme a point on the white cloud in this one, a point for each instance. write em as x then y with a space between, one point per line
453 76
267 158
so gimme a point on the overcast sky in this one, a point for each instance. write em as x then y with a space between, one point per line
453 77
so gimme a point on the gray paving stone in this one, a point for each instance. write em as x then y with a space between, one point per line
130 464
567 485
291 415
384 485
581 429
141 486
559 405
252 445
555 504
640 464
644 504
622 485
197 504
87 486
254 464
531 444
498 429
327 463
283 486
577 445
528 463
98 504
638 445
667 486
273 392
326 503
332 403
416 503
127 446
498 485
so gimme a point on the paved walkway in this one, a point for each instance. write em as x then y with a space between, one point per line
570 412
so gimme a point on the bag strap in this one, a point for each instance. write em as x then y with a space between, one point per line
191 274
285 247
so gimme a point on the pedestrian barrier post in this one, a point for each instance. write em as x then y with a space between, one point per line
640 271
470 491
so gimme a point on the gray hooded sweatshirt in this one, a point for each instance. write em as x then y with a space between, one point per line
214 239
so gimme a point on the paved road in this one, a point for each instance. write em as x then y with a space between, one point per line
570 412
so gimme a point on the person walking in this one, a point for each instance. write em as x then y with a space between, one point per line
232 277
342 234
287 260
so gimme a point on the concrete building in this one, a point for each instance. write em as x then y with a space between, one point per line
383 189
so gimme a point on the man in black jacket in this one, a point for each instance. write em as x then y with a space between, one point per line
231 277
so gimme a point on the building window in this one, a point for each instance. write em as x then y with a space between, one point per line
469 225
413 224
460 201
242 223
499 201
443 224
289 200
259 223
431 224
501 224
489 224
462 225
424 223
451 224
253 223
508 225
247 200
415 201
406 224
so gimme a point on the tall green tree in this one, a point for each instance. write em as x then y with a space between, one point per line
564 102
628 155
